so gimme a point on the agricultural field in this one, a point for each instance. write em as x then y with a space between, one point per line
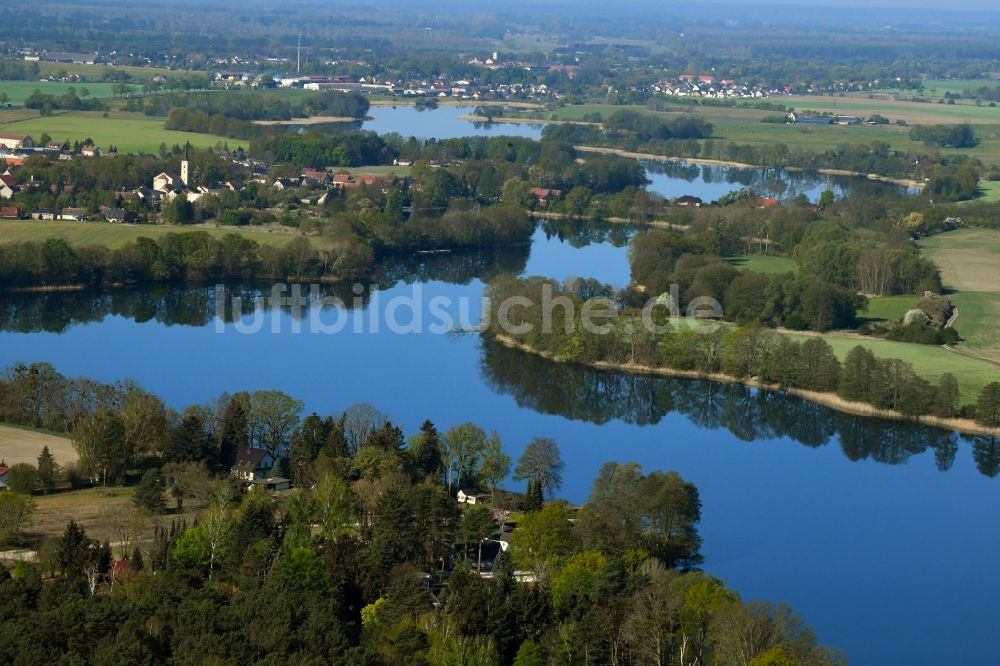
22 445
938 87
761 264
744 126
18 91
914 113
969 260
116 235
129 132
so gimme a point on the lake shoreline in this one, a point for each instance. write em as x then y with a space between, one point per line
829 400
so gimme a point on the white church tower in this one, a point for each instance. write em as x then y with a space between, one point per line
185 165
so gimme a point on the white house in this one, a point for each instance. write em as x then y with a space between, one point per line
252 464
471 497
3 477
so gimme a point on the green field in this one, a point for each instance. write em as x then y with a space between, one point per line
969 260
18 91
888 308
116 235
129 132
759 264
938 87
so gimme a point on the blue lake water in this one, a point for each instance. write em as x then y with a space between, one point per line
444 122
851 521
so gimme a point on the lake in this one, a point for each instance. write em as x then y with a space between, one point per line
877 532
671 179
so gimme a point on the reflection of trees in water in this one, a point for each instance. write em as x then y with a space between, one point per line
453 267
595 396
172 306
986 451
581 233
770 181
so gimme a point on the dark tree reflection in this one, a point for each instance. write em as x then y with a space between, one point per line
597 396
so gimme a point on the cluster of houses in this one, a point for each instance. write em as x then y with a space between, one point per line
706 85
495 62
441 87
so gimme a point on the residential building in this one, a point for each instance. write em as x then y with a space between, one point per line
471 497
252 463
15 141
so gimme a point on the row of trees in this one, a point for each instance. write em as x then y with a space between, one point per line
190 256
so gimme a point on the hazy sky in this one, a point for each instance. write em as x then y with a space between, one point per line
989 5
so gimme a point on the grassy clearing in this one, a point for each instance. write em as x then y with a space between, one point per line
116 235
19 445
759 264
18 91
129 132
888 308
84 506
969 260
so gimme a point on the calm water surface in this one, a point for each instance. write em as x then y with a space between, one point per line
883 535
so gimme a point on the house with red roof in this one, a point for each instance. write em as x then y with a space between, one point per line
769 202
3 477
545 193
